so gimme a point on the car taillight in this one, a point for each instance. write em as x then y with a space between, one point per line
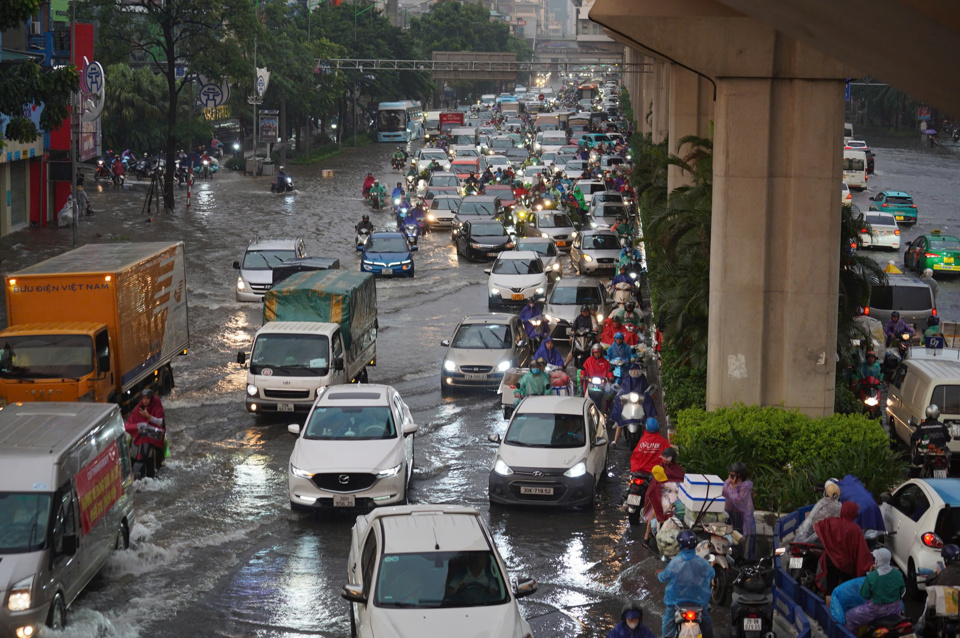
896 232
930 255
883 205
913 205
863 230
866 311
932 540
934 312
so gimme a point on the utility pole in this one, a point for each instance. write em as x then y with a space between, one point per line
256 95
74 125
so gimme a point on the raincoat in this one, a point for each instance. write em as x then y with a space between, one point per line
647 453
526 314
739 507
851 489
622 631
882 589
619 351
844 598
531 385
825 508
596 367
843 543
550 355
147 429
688 579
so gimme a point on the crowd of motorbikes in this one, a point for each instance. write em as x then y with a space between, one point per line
115 168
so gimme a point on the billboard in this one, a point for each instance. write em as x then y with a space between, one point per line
269 128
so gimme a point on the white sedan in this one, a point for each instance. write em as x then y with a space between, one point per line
884 232
517 276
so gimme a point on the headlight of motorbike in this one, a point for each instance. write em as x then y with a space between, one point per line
577 470
449 366
556 266
393 471
872 401
573 234
240 285
634 397
296 471
596 380
504 365
633 275
599 316
252 390
20 598
539 291
502 468
431 218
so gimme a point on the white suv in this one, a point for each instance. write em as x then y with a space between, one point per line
256 269
355 450
430 570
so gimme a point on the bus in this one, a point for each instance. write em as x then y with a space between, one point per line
587 92
399 121
855 169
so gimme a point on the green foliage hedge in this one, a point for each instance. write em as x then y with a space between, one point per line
786 452
684 386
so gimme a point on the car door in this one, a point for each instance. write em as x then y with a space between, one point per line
462 237
402 417
520 337
68 569
896 416
337 352
369 557
905 511
597 454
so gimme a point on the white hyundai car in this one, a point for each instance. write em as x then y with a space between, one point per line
430 570
517 276
354 451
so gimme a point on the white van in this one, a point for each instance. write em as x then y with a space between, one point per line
920 380
855 169
847 132
66 502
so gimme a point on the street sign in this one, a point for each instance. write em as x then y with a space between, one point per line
211 95
846 94
93 78
540 97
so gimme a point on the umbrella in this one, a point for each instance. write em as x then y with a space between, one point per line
930 131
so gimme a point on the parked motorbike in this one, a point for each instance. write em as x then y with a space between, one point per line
751 607
363 236
868 391
716 550
283 184
889 627
803 563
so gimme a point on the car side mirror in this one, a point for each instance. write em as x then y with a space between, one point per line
871 198
522 343
410 427
236 265
486 271
241 358
353 593
494 438
886 498
525 588
601 441
338 364
294 428
445 343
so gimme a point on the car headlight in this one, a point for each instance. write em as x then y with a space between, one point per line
577 470
240 285
494 292
539 291
393 471
502 468
573 234
449 366
252 390
431 218
296 471
504 365
545 235
474 245
587 258
556 266
20 598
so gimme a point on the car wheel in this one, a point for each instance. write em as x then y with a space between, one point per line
297 507
123 537
912 589
57 618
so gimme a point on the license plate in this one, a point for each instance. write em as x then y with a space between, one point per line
284 407
796 562
539 491
561 243
475 377
752 624
517 296
344 500
386 271
492 254
955 431
899 218
948 260
939 474
634 500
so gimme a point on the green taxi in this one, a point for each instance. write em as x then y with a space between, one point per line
898 203
936 251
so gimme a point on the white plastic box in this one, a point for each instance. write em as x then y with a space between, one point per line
702 492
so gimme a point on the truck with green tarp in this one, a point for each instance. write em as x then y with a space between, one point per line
319 329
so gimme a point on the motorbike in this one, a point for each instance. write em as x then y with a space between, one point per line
145 461
376 201
934 460
412 233
868 391
633 415
582 341
597 390
803 563
142 169
103 172
619 368
622 293
889 627
897 352
283 184
411 183
205 169
636 491
397 163
181 175
537 330
717 551
688 617
363 236
751 607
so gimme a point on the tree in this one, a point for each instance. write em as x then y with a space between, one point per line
134 104
28 83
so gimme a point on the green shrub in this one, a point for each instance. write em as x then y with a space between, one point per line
234 164
683 386
846 402
787 452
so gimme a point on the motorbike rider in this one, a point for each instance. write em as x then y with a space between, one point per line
398 193
368 183
619 350
421 215
622 277
472 181
948 576
549 353
688 579
487 176
412 171
634 381
827 507
896 326
927 278
882 590
629 254
845 553
534 382
611 327
365 223
738 492
649 449
378 191
409 217
585 321
624 227
282 178
597 366
935 432
870 367
631 624
528 314
933 327
147 424
399 156
629 315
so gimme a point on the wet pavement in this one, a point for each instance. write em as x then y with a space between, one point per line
216 548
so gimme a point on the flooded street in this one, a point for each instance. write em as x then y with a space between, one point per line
216 549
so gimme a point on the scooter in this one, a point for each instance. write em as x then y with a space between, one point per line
622 293
412 233
633 415
282 185
103 172
597 390
363 237
688 617
581 344
145 461
803 563
397 163
637 490
751 608
896 353
934 461
889 627
376 201
717 551
868 391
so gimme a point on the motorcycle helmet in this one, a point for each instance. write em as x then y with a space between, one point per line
831 490
585 309
652 425
950 553
739 468
281 168
366 218
541 362
895 315
928 272
146 392
687 539
618 335
933 412
933 321
597 348
632 611
535 363
631 305
399 185
871 353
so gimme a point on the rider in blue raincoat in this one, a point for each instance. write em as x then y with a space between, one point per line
688 579
619 350
549 353
635 381
869 517
530 312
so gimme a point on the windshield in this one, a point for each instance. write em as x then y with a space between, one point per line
476 208
387 245
467 152
391 121
266 259
290 355
901 297
944 242
613 211
23 521
488 230
896 200
546 430
501 142
540 247
46 356
444 180
439 156
558 220
517 267
362 423
600 242
445 203
464 139
574 295
482 336
881 220
440 579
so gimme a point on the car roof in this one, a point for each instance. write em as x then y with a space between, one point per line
889 216
518 254
443 174
490 317
894 193
536 240
600 231
272 243
387 233
935 368
947 489
938 235
434 532
554 404
903 280
365 392
480 198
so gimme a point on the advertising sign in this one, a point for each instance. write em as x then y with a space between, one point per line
923 113
60 10
99 486
269 128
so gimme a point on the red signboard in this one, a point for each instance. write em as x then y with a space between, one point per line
540 97
451 118
99 486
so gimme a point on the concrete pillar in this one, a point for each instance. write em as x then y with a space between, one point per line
644 114
661 111
690 113
774 257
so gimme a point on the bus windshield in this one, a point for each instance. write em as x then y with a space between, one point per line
391 121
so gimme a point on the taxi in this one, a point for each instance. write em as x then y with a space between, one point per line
936 251
896 202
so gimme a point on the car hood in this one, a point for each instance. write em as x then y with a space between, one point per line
538 457
517 281
16 567
257 276
596 253
387 258
567 312
476 356
558 230
503 621
343 456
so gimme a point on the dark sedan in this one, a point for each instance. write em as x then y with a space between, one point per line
482 239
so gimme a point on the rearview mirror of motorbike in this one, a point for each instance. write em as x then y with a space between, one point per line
241 358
